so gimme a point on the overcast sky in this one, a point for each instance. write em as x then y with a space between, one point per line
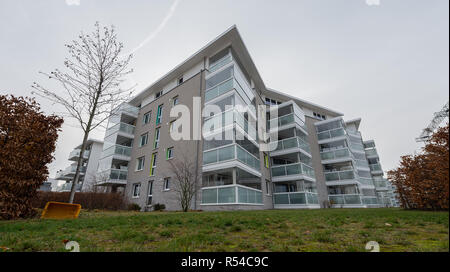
386 62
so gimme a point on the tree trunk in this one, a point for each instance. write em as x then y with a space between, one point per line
79 165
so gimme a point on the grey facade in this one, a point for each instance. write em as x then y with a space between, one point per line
318 159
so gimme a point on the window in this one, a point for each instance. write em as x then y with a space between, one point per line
175 101
320 116
169 154
266 161
153 164
180 80
158 94
267 187
159 114
156 142
166 184
150 193
140 163
144 139
146 118
270 102
136 190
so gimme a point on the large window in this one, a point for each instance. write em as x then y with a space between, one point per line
150 193
217 179
153 164
156 142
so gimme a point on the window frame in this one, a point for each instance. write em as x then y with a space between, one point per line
146 120
166 185
157 137
153 164
150 193
133 192
138 163
159 114
169 150
146 139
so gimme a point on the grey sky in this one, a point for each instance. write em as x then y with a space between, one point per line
387 64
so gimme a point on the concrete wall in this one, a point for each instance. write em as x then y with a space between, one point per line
316 161
185 92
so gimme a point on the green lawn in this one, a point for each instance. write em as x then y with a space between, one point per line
269 230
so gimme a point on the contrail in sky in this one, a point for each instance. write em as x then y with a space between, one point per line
158 29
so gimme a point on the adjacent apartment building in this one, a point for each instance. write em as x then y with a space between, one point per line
319 159
88 172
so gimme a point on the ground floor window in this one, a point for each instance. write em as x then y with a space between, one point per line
136 190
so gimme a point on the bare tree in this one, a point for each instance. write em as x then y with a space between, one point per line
185 176
91 88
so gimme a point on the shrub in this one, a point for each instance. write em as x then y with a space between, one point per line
87 200
134 207
159 207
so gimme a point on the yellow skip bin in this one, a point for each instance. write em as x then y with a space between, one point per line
59 210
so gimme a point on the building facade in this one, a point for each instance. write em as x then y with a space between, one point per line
316 158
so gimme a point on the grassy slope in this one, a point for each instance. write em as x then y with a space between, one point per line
270 230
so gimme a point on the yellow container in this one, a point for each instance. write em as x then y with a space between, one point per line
59 210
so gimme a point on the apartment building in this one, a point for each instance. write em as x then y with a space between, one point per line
318 159
88 172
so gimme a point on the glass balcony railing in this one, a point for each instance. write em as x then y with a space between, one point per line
362 163
328 134
351 199
231 194
227 118
247 158
117 150
293 169
335 154
123 127
375 167
127 108
294 142
371 152
380 183
118 174
75 154
231 152
220 63
340 175
286 120
370 200
365 181
293 198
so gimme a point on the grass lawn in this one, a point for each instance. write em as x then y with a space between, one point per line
268 230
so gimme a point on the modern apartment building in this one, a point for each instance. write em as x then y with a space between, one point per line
88 173
318 159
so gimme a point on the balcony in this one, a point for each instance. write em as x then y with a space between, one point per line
113 177
75 154
375 167
231 152
220 63
295 198
67 187
69 172
120 152
335 154
284 121
290 144
346 199
124 129
371 152
329 134
340 175
129 109
231 194
370 200
292 171
365 181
